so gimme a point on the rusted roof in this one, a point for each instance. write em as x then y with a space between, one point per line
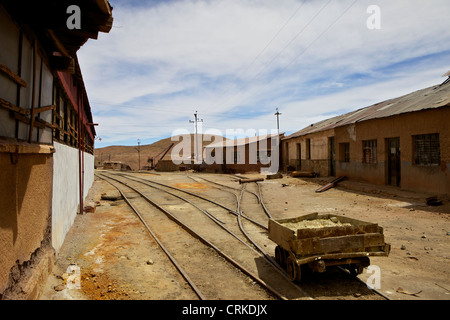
48 20
429 98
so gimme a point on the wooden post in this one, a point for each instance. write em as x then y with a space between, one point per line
30 136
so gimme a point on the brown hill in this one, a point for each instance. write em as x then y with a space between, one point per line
129 154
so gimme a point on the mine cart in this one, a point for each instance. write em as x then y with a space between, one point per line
316 241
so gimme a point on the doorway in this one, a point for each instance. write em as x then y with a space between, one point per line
332 156
393 161
299 157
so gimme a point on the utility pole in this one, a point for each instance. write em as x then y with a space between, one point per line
196 139
139 154
278 121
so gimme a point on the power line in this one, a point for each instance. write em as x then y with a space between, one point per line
308 46
139 107
268 44
274 37
284 48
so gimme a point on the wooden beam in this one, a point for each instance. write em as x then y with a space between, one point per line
44 123
45 108
62 63
33 91
58 44
8 105
10 74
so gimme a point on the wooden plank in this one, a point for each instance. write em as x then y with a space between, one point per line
8 105
45 108
44 123
14 77
304 174
341 244
335 231
281 235
330 185
8 146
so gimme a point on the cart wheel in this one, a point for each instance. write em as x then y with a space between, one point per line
279 256
293 269
355 269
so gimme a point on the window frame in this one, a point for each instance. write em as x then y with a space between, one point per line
370 151
423 153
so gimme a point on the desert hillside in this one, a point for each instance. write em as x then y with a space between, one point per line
129 154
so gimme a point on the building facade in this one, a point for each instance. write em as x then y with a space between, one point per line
46 134
250 154
403 142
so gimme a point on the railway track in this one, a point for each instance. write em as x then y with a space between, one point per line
250 231
259 196
214 280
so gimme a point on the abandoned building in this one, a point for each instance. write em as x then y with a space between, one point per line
249 154
403 142
116 165
46 135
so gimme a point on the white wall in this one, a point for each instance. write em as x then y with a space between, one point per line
66 189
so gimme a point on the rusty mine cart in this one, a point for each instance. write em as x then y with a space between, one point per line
316 241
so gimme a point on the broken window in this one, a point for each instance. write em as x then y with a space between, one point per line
427 149
370 151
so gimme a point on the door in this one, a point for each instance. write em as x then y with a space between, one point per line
299 157
393 161
332 156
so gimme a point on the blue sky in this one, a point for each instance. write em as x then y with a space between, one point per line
236 61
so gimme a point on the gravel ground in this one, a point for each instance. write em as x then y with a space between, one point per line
117 259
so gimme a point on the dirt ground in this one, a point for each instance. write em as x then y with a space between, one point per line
118 260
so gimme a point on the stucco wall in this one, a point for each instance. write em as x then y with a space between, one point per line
66 189
25 209
319 152
428 178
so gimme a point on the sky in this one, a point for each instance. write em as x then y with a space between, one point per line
235 61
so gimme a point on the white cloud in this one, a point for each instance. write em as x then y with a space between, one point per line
214 57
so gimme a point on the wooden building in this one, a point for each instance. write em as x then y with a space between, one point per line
46 133
403 142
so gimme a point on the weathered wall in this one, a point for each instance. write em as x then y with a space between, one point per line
318 161
66 189
428 178
25 207
248 158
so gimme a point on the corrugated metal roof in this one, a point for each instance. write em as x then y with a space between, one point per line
239 142
429 98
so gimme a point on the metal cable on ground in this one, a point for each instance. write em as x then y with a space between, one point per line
209 215
194 195
206 242
262 202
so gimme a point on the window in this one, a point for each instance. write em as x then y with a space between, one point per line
344 152
426 149
308 149
370 151
236 157
263 156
